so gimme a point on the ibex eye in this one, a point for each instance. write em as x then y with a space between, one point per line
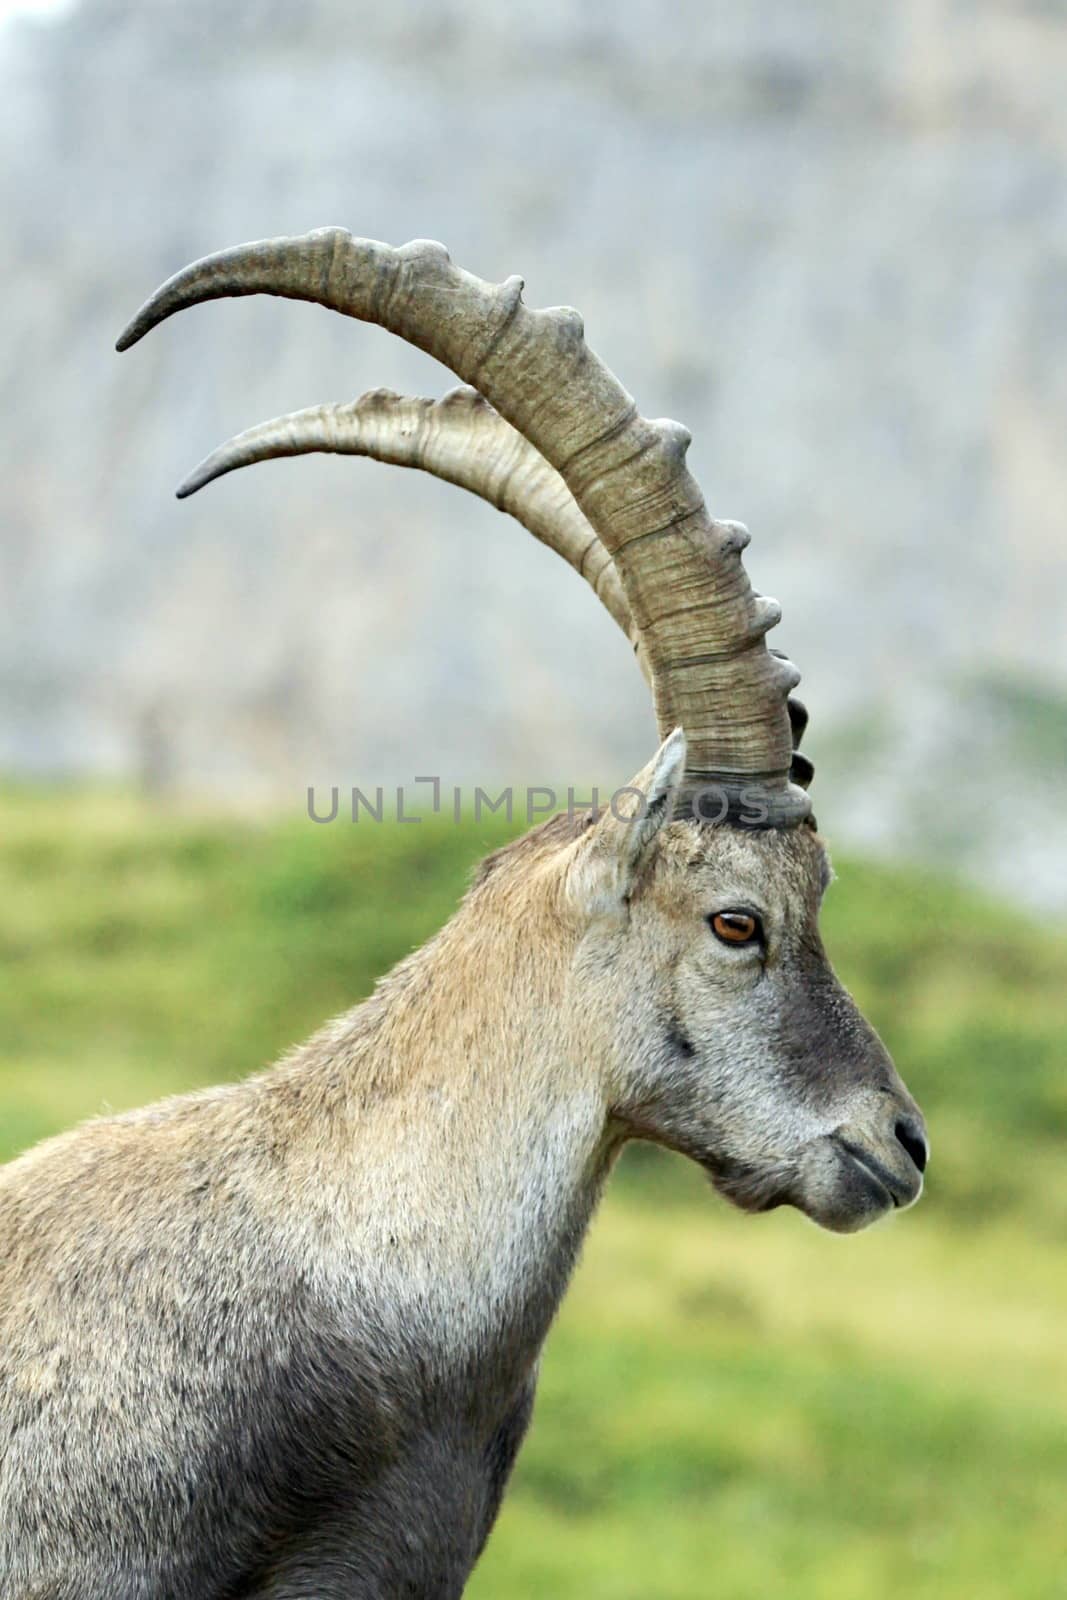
736 927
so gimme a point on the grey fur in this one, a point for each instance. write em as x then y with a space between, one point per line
280 1339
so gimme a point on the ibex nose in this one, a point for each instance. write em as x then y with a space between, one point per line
912 1135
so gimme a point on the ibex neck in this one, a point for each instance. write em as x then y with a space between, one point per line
468 1146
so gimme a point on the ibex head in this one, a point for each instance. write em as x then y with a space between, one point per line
695 980
700 979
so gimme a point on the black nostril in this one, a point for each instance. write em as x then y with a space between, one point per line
909 1135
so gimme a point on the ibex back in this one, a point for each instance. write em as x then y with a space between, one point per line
280 1339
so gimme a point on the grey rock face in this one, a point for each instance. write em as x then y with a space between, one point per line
830 237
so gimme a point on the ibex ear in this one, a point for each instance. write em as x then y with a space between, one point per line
608 859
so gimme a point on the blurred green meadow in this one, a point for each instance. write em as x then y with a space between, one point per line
729 1406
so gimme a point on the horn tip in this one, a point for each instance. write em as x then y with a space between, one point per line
143 322
192 482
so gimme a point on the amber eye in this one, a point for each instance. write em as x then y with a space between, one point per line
736 927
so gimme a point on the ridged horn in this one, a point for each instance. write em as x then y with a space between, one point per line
459 438
700 622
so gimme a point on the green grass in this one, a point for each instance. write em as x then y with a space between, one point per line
729 1406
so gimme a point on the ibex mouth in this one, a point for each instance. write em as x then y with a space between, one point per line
845 1186
837 1181
901 1188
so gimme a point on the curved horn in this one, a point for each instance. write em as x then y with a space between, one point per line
702 626
459 438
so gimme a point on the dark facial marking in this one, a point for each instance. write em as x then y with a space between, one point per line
677 1042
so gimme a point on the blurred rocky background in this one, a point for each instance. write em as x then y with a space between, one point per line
829 235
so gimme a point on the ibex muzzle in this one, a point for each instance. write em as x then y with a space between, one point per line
280 1339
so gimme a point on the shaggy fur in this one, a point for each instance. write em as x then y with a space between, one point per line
280 1339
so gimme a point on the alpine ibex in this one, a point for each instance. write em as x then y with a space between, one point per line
280 1338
